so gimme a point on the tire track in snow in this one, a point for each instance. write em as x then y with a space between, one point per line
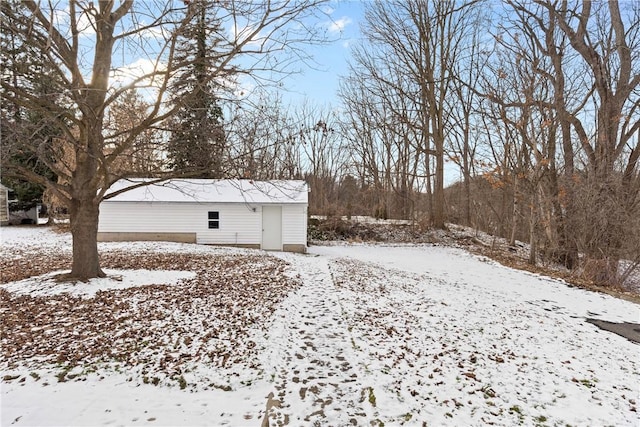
317 373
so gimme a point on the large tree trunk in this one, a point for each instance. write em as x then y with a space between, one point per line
566 242
438 211
438 220
428 188
466 171
515 212
532 229
567 247
84 206
602 251
84 230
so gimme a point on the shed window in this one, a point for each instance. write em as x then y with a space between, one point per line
214 219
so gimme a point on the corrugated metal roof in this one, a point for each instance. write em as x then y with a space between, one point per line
212 191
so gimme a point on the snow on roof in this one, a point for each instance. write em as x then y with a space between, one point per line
211 191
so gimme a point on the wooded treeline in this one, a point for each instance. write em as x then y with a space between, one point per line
520 118
532 107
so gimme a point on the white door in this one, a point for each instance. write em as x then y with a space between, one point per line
272 228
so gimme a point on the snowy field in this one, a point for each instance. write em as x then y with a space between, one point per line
184 335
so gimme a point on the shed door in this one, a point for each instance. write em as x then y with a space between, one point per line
272 228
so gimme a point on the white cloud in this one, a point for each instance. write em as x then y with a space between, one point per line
156 33
244 34
148 87
61 19
126 74
328 10
86 24
243 89
339 25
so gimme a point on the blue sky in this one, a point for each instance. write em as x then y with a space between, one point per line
320 83
317 80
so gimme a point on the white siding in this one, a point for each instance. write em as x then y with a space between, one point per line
238 223
4 206
294 224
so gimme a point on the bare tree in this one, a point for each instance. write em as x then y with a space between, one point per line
410 56
379 128
608 43
324 157
360 126
465 105
78 41
570 72
264 140
596 117
143 156
270 140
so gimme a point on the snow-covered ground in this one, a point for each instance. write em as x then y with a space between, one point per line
367 335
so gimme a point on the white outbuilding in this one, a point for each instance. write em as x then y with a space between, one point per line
269 215
4 205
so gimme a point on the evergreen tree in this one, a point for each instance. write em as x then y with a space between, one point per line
197 141
29 137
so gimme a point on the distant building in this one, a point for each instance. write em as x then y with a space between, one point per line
4 205
270 215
